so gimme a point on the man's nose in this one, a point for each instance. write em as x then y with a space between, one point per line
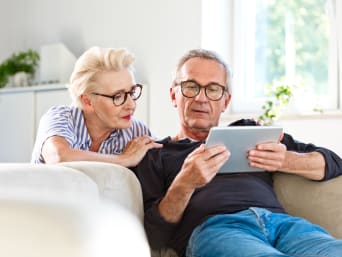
201 96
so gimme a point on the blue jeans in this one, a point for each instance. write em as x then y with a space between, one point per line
258 232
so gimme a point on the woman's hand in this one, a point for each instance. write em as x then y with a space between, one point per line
136 149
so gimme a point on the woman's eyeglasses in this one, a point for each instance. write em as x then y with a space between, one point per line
121 97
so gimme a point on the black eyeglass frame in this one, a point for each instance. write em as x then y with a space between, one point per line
131 93
199 87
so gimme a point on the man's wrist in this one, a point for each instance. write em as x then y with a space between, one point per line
310 165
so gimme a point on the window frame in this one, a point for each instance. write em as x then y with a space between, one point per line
244 99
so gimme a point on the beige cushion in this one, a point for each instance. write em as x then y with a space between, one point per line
319 202
115 183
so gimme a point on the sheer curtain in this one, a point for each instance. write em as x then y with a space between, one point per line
334 10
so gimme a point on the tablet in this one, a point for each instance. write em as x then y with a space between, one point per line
240 139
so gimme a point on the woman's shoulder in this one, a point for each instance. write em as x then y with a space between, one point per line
61 112
60 109
138 124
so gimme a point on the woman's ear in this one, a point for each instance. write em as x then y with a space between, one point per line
86 102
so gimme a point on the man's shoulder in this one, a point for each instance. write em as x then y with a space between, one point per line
172 154
185 143
171 149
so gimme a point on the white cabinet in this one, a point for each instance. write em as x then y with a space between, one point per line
45 99
20 112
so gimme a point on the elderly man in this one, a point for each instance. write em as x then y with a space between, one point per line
197 212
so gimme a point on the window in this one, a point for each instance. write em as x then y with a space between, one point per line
292 41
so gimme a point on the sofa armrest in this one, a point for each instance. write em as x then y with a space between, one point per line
115 183
44 225
46 178
55 210
318 202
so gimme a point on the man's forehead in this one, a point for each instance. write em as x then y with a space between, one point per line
203 69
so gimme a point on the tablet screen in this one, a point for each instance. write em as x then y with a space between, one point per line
240 139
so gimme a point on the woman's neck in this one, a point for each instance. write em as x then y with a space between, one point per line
97 133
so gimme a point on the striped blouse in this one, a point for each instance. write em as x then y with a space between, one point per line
68 122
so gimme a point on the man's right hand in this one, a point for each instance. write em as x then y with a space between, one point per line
202 164
198 169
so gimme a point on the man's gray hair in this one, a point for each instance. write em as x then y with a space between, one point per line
209 55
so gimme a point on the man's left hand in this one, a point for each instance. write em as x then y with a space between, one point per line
268 156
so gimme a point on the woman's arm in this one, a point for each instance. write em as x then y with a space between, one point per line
57 149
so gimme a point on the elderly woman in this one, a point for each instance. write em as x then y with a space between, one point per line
99 125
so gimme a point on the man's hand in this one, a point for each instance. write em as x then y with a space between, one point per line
201 166
268 156
273 157
198 169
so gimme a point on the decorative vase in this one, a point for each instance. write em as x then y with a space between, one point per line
21 79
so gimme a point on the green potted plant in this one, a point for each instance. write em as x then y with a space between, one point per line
25 62
280 94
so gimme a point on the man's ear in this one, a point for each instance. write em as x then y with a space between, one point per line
173 96
226 102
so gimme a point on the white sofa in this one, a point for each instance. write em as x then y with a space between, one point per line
78 209
82 209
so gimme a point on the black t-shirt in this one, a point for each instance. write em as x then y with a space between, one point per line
226 193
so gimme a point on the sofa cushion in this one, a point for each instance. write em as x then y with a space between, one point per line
319 202
115 183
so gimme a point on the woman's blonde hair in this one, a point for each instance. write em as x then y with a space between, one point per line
92 62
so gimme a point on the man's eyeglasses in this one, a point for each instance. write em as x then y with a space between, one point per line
121 97
191 89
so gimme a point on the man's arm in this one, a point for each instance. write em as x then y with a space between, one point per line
198 169
164 205
291 156
274 157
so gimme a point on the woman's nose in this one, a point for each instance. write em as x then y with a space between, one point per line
130 102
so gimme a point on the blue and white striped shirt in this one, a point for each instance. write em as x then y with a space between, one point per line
68 122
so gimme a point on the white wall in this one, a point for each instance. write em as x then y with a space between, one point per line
12 27
323 132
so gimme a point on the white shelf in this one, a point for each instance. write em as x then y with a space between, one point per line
35 88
